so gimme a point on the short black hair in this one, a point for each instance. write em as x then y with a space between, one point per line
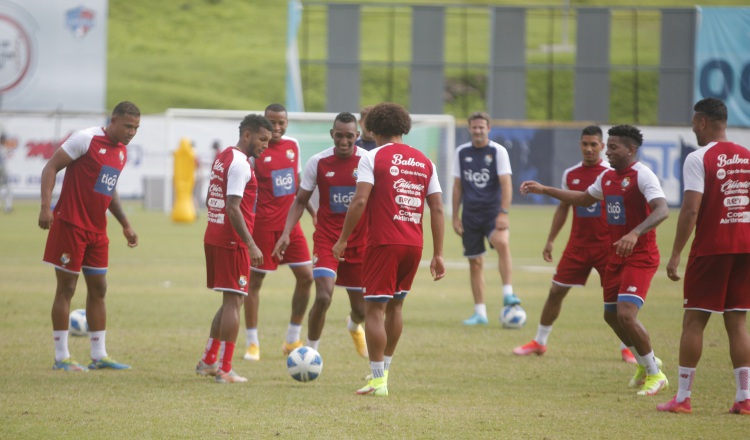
276 107
254 123
388 119
712 108
629 132
592 130
126 108
345 117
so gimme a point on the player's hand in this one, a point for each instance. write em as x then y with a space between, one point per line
338 250
45 218
531 187
547 252
502 223
437 268
458 226
131 236
624 246
672 268
256 256
280 248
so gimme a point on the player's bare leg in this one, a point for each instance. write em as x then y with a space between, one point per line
229 326
300 300
377 338
317 316
500 240
66 287
739 351
476 275
394 325
691 342
550 312
96 306
251 305
649 367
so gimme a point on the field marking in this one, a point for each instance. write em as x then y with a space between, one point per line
463 264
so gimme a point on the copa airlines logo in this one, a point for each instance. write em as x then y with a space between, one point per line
16 53
398 159
615 210
734 160
480 179
107 180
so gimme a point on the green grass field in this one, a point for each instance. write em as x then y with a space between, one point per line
446 381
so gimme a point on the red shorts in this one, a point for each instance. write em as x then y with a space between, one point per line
348 273
717 283
629 282
227 269
71 248
296 254
389 271
576 264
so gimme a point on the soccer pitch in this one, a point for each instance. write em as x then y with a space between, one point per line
446 380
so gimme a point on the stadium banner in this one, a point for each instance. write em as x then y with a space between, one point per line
53 55
722 60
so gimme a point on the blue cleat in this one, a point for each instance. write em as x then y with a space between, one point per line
511 300
68 365
107 362
476 319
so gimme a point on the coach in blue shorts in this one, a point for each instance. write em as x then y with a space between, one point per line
482 182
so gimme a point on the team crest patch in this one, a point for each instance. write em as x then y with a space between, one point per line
354 173
315 259
80 20
625 182
65 258
488 159
290 154
243 281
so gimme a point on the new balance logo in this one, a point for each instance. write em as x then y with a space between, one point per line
330 174
102 150
267 159
632 289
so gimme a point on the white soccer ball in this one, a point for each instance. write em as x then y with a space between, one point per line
304 364
79 326
513 316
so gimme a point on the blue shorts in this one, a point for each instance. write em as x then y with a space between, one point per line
477 228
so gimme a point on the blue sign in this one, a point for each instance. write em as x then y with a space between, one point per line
722 60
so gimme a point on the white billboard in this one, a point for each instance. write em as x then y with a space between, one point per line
53 55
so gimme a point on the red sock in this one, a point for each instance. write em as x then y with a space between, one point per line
212 350
226 358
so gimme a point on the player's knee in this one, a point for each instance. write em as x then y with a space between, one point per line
323 301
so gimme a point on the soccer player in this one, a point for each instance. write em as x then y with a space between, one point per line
717 178
635 206
229 245
588 245
365 139
334 172
393 182
77 240
482 183
277 170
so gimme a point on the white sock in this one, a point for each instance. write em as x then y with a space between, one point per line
98 350
623 346
638 357
377 369
352 326
507 289
685 383
542 333
649 361
742 377
313 344
293 332
481 310
61 344
387 362
251 337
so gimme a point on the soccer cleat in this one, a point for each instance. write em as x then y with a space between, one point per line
107 362
639 378
675 406
358 336
68 364
375 387
385 375
288 348
627 356
511 300
204 369
532 347
654 383
252 353
476 319
741 408
229 377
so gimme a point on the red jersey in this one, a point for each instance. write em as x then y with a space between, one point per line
230 176
336 180
90 179
589 222
721 172
277 170
626 194
402 177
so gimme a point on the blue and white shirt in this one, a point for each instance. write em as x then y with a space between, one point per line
479 170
